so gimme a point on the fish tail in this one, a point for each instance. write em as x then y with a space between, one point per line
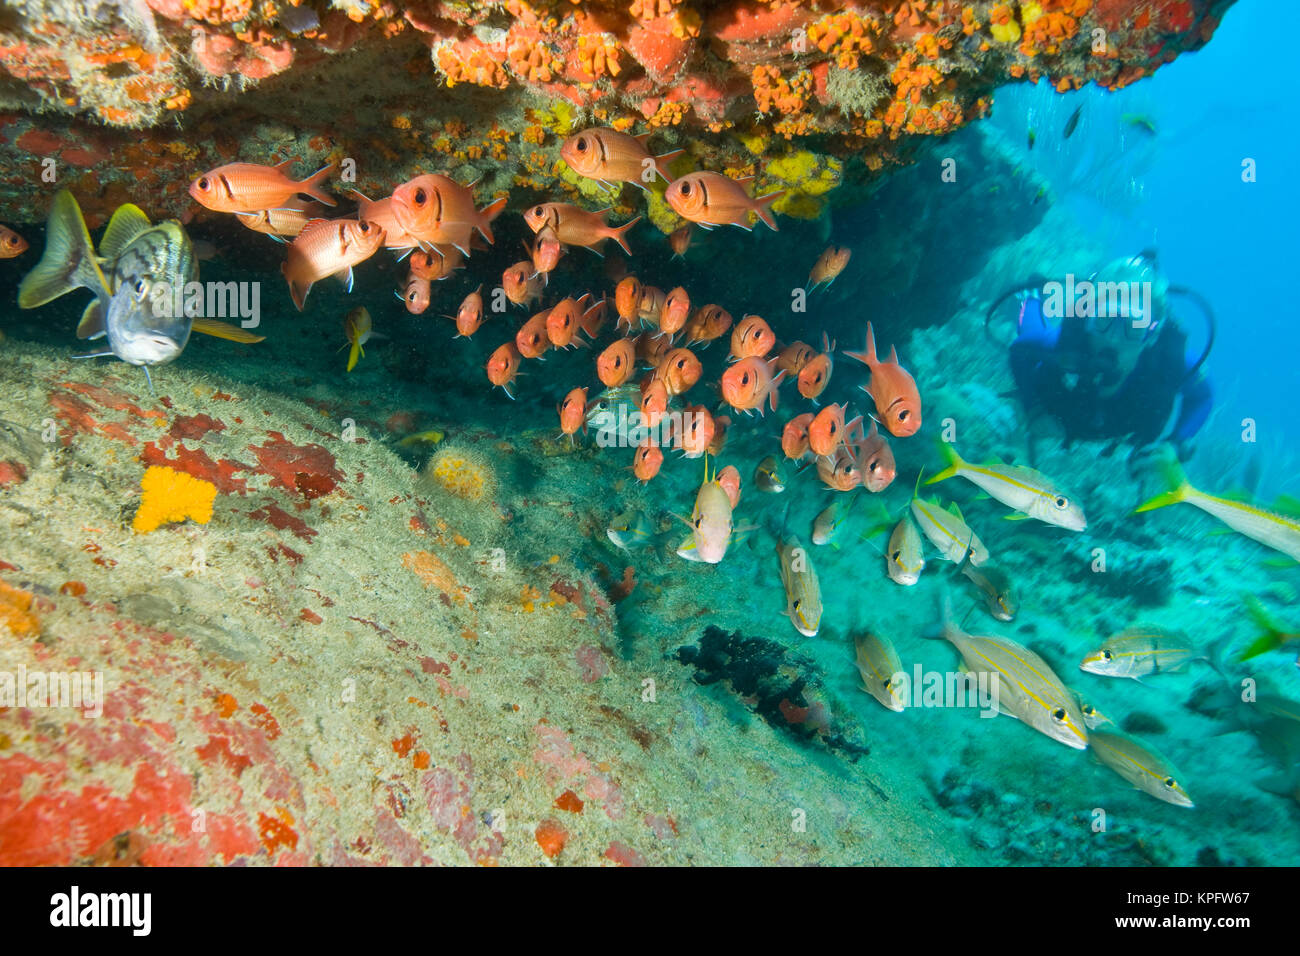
489 213
868 354
954 461
314 184
353 354
618 234
662 161
761 204
298 291
1270 638
68 261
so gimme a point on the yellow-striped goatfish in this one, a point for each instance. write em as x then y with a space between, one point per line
1139 765
882 672
1021 489
1141 650
803 595
1280 532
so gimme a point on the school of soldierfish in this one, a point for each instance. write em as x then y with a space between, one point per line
433 223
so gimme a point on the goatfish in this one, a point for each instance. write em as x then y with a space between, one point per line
1280 532
767 477
631 531
1272 637
803 594
1140 765
710 520
999 596
1139 651
948 531
1021 489
1027 688
882 672
905 559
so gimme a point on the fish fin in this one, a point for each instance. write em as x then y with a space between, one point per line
953 509
344 275
1279 562
359 195
312 185
128 222
705 226
868 354
761 204
662 161
284 165
1015 516
1287 505
1172 472
619 234
91 325
486 215
954 463
353 354
102 353
224 330
68 261
298 292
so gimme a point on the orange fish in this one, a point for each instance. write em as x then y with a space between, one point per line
752 337
470 314
11 244
247 187
593 320
436 208
827 429
749 383
794 437
531 340
573 412
438 262
545 252
840 473
380 212
679 369
575 226
816 374
521 284
615 365
503 366
680 240
711 199
828 266
287 222
894 391
875 460
647 461
676 310
720 425
654 401
697 431
613 157
651 349
709 322
627 300
562 322
417 294
794 357
651 305
328 247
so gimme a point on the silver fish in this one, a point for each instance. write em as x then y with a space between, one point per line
138 280
882 672
632 531
948 531
1139 765
803 594
905 559
1140 651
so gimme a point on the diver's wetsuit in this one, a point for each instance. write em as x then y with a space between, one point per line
1054 371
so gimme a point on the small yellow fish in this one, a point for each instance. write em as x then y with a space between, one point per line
430 437
803 594
1140 651
1140 765
882 672
357 327
827 524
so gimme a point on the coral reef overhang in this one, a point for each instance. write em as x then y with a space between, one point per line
135 98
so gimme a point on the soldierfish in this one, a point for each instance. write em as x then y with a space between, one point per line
697 431
1277 531
615 365
803 593
563 322
905 558
828 266
679 369
545 252
711 199
1140 765
676 310
894 390
573 411
248 187
436 209
708 323
840 471
612 157
752 337
11 244
647 461
575 226
436 262
416 295
380 212
680 240
875 459
503 367
827 430
627 301
815 374
749 383
1021 489
520 284
794 437
710 520
794 357
328 247
1026 686
470 314
881 671
531 340
285 222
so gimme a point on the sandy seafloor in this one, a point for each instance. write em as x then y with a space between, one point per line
360 678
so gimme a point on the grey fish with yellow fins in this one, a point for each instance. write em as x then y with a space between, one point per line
767 476
1278 531
1021 489
905 558
995 584
1140 651
948 531
1027 687
882 672
1093 717
1271 637
631 531
711 519
803 593
1140 765
830 519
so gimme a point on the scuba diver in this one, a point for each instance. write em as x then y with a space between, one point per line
1124 376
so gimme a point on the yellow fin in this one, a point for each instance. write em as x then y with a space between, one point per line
91 325
224 330
68 261
128 222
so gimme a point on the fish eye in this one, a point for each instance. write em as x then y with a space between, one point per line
1105 655
796 605
1062 502
1058 715
897 555
698 520
420 197
902 416
873 466
537 211
582 144
1170 783
686 189
203 183
744 379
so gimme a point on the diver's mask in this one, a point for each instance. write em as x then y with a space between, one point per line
1128 308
